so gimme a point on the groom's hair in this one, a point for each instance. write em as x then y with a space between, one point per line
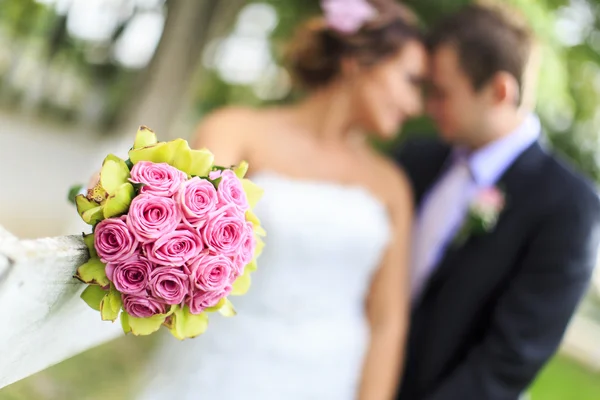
488 39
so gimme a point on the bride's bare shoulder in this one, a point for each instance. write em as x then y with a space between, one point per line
233 123
232 132
226 120
225 133
395 186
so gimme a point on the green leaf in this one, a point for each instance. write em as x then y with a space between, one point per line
73 192
227 310
145 326
241 170
111 305
113 174
144 137
138 186
125 322
187 325
92 273
93 296
89 242
119 202
241 284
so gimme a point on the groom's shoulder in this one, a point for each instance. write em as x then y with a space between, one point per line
576 189
419 149
421 145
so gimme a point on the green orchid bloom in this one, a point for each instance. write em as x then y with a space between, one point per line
93 296
145 137
227 310
241 170
185 325
143 326
118 203
93 273
111 196
110 305
176 153
241 284
253 192
88 240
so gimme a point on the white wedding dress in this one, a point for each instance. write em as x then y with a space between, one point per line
300 332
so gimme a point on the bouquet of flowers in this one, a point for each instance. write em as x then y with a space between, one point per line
173 237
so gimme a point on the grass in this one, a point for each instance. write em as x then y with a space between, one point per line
564 379
110 372
105 372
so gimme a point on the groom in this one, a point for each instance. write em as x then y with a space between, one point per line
493 288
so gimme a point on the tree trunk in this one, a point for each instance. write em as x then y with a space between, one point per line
166 81
187 117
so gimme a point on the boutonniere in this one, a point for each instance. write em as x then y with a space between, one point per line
482 215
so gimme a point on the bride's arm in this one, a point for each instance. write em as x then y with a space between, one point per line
388 305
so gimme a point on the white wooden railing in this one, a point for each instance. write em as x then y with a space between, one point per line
42 319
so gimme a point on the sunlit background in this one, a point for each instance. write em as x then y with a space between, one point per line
78 76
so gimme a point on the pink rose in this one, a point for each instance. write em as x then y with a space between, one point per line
142 306
160 179
246 253
176 247
209 273
224 231
169 284
202 300
347 16
196 198
214 175
490 198
231 191
130 276
114 241
150 217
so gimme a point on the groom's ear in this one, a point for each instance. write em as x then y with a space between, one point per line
504 89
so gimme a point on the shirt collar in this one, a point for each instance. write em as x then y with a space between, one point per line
490 162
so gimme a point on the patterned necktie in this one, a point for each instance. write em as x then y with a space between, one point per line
439 218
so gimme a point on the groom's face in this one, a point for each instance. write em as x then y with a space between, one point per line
456 107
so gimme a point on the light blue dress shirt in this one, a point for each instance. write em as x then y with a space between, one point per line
445 205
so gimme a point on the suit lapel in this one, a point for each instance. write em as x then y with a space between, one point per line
515 181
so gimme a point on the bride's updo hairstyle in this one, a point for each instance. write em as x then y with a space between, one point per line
320 45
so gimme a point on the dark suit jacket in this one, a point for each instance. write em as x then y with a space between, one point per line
496 308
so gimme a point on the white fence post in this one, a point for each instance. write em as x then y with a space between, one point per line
43 320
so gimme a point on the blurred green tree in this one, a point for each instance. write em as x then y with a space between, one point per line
568 86
568 89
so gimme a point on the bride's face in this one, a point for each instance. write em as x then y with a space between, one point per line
387 94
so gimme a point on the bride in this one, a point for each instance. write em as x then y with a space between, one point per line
326 315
